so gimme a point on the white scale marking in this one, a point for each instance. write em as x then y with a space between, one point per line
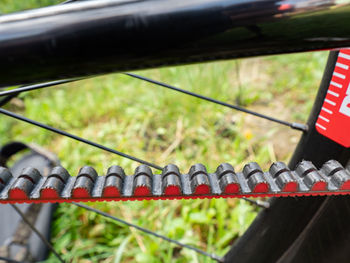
338 75
341 65
322 127
330 102
333 93
336 84
323 118
327 110
342 55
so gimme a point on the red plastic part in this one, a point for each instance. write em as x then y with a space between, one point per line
232 189
49 193
111 191
290 187
80 193
261 188
22 199
172 190
319 186
202 189
285 7
345 186
142 191
17 194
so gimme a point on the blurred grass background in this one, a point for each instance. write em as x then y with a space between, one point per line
163 127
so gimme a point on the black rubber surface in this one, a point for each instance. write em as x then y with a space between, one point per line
326 237
9 218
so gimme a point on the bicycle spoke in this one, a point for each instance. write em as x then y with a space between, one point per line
10 94
68 1
258 203
13 93
149 232
293 125
43 239
77 138
37 86
7 99
55 130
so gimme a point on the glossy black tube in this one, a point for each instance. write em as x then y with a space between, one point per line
105 36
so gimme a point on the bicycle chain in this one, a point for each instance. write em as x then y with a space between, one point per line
59 186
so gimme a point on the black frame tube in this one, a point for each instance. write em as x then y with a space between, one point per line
290 215
103 36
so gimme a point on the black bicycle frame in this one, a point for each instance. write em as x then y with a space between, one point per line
103 36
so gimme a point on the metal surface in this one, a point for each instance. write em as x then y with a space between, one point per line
16 91
102 36
331 179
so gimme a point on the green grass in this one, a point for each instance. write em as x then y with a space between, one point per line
163 127
8 6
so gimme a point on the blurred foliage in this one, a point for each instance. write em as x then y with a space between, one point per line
163 127
9 6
